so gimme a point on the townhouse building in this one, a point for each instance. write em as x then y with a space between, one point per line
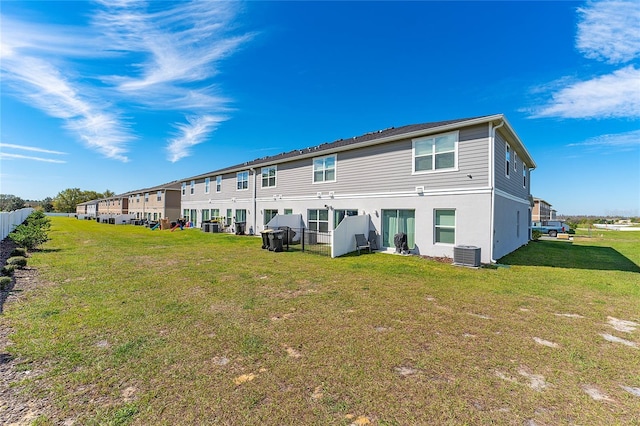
443 184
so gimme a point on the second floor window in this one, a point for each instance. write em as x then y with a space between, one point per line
207 183
507 159
268 176
218 183
193 187
184 188
159 196
242 180
146 197
324 169
435 153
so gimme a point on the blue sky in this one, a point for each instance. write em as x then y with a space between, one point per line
123 95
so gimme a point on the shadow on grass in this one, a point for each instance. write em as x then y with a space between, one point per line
561 254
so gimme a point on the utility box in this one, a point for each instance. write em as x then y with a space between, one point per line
466 256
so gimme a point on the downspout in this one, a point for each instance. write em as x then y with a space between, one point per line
492 172
253 200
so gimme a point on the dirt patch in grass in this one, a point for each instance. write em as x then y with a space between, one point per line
16 408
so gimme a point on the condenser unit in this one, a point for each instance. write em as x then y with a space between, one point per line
466 256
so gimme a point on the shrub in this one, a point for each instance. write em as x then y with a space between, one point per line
7 270
535 235
18 251
29 236
5 283
17 261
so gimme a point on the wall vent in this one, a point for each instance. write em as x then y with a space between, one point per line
420 189
466 256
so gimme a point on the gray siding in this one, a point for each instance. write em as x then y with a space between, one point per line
513 184
387 168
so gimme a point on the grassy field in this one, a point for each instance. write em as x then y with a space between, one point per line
158 328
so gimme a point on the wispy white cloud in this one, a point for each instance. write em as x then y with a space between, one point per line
161 56
191 133
615 95
609 30
43 84
5 155
30 148
619 141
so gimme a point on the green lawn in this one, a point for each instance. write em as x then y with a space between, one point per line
157 327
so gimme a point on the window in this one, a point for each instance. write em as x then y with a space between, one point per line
398 221
338 216
515 161
185 214
241 215
193 187
288 211
435 153
215 214
524 176
243 181
146 197
229 214
207 183
184 188
137 198
218 183
324 169
205 214
159 196
269 214
445 226
269 176
507 158
318 220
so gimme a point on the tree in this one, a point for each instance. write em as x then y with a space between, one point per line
67 200
47 204
107 194
10 202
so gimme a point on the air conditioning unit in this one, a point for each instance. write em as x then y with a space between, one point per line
466 256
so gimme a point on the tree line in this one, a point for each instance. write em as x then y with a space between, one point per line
65 202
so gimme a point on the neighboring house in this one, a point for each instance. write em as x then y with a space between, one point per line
541 211
113 206
153 204
88 209
447 183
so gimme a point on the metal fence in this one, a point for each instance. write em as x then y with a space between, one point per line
306 240
9 220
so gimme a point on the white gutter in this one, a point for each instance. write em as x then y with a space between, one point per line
492 177
253 200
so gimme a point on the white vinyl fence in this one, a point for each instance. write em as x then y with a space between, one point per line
9 220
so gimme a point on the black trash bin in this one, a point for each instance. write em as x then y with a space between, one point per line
275 240
240 226
265 238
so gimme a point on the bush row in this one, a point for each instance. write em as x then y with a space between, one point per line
28 235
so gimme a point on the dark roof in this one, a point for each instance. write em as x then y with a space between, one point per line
329 146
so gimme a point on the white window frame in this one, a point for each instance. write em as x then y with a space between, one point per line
507 159
184 188
436 226
193 187
207 185
243 181
159 196
515 161
324 169
316 223
433 153
146 197
218 183
137 198
268 178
